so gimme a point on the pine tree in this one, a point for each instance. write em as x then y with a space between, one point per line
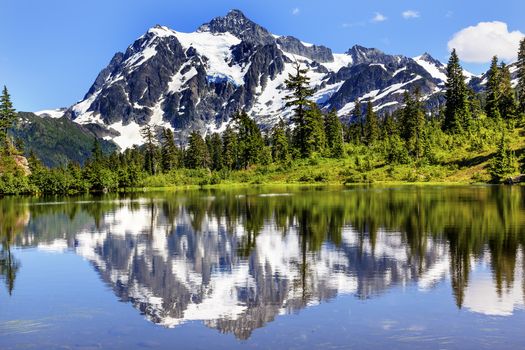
170 154
389 126
493 90
249 139
457 109
197 152
7 119
214 144
334 134
298 85
504 165
315 137
413 123
507 102
521 77
229 149
358 116
150 156
97 156
371 125
279 142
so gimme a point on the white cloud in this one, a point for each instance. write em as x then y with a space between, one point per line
296 11
379 17
479 43
408 14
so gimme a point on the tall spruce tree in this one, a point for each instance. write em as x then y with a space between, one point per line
493 90
457 109
358 116
279 143
197 153
521 77
148 133
214 143
170 153
314 131
334 134
504 164
413 123
298 85
507 102
229 149
7 119
249 139
371 125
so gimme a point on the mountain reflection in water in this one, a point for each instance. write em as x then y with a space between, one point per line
237 259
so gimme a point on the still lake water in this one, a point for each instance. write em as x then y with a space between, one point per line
356 268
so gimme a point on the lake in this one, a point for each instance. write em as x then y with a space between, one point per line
407 267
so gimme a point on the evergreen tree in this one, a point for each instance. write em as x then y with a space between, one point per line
170 153
504 165
7 119
493 90
214 144
334 134
97 172
197 152
389 126
279 142
413 123
97 156
371 125
457 109
298 85
358 116
521 77
315 137
507 102
249 140
229 149
150 155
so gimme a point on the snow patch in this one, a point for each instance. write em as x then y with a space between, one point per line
431 68
52 113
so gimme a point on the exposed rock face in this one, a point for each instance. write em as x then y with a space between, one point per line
23 164
236 23
10 162
295 46
196 81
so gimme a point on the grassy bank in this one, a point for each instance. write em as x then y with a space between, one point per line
462 164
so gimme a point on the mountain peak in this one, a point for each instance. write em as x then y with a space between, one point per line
428 58
361 54
236 13
237 24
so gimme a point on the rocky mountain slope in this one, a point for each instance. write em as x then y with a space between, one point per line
196 81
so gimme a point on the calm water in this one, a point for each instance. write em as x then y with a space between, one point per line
376 268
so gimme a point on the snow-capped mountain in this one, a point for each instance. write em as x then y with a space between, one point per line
196 81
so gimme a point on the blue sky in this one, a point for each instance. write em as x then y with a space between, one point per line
52 50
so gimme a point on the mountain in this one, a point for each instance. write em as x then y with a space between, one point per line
196 81
56 141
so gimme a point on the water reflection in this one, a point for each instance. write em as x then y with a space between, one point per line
236 260
13 219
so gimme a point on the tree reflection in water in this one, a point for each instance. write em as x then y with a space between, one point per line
236 259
